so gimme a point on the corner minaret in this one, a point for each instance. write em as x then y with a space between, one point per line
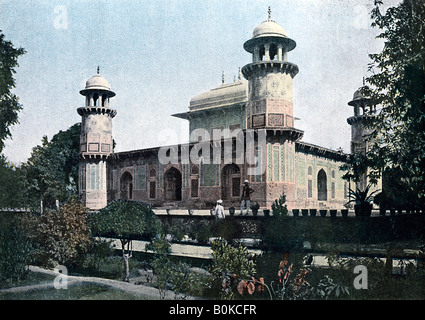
270 101
96 143
270 107
360 133
358 130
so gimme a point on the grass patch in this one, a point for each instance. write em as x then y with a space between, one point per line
78 291
29 279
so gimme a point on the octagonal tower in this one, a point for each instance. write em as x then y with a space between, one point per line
270 77
270 107
360 132
96 142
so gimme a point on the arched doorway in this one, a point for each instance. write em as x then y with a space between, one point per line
322 188
126 183
173 185
230 181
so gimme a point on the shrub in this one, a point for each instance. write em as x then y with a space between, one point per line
126 221
15 248
279 208
61 235
176 276
229 263
97 254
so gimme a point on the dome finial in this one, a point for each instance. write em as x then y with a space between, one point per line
269 13
98 69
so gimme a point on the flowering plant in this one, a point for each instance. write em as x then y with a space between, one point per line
277 289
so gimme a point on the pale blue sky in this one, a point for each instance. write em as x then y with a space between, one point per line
158 54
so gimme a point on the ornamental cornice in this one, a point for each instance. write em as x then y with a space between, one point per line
96 110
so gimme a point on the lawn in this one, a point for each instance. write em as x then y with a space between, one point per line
77 291
111 269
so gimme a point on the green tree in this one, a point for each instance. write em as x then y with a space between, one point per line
229 264
15 247
126 221
11 185
9 103
10 195
176 276
396 96
51 172
161 263
61 235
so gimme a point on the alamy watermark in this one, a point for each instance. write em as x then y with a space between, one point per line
61 17
360 281
61 280
220 146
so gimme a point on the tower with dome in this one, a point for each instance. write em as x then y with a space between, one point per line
360 142
96 142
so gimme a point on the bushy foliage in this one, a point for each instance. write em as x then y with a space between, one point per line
188 282
61 234
11 185
15 248
276 226
279 207
9 103
279 281
229 259
175 276
384 281
124 219
161 263
96 255
395 94
229 264
51 172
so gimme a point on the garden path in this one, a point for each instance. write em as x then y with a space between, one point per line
139 289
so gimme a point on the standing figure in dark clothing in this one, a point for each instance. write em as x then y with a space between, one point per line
246 197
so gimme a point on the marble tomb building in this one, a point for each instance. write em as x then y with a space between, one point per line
258 105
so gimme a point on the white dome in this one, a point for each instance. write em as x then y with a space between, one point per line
98 82
269 28
226 94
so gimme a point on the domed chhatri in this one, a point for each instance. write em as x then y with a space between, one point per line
270 75
97 83
269 28
267 31
362 108
357 97
97 93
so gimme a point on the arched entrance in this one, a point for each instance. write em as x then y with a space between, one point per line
322 188
173 185
230 181
126 183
